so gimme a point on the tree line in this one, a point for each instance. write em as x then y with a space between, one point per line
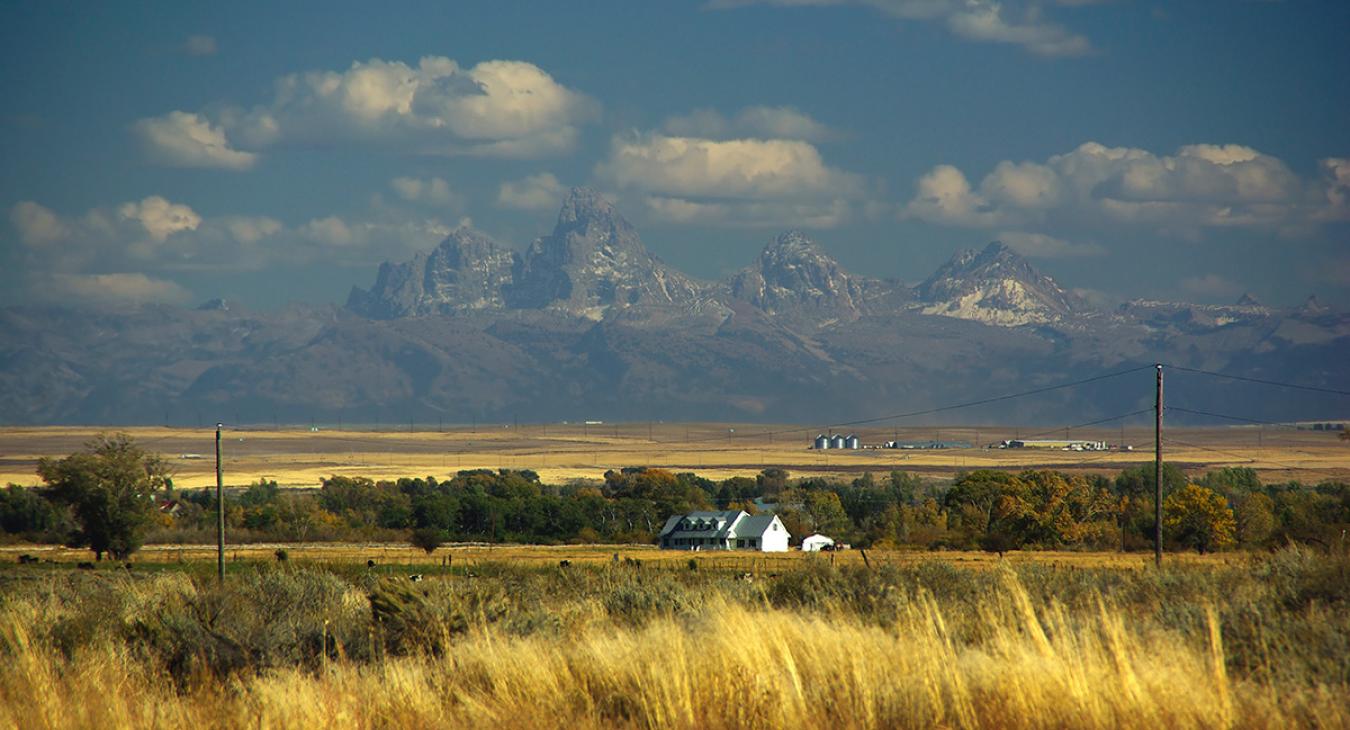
112 496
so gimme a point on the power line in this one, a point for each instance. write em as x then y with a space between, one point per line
1277 383
1241 419
1249 460
942 409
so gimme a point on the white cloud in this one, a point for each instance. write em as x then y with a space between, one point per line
180 139
757 182
536 192
1039 245
1200 186
432 191
497 108
37 226
765 122
740 168
157 235
159 217
200 45
108 289
1016 23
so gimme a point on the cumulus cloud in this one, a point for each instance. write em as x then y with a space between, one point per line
37 226
200 45
1039 245
157 235
536 192
181 139
740 168
159 217
765 122
497 108
432 191
770 182
1016 23
1200 186
108 289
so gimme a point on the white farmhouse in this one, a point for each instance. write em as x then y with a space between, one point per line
731 530
816 543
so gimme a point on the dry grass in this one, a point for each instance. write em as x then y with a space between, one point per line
738 656
299 457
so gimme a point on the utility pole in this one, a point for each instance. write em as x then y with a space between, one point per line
1157 470
220 512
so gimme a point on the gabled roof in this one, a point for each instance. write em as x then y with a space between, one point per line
699 524
755 526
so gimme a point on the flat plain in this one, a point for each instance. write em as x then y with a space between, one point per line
301 457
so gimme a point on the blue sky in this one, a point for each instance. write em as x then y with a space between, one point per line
178 152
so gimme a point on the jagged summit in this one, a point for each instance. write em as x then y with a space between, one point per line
1248 300
467 271
996 286
594 262
1312 307
793 275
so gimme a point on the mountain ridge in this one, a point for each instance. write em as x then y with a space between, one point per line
586 323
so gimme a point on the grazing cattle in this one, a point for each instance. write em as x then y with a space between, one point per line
415 577
27 559
564 563
85 566
370 563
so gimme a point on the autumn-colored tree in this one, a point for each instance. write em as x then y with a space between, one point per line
1255 516
1200 518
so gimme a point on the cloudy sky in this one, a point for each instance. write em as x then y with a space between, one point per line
178 152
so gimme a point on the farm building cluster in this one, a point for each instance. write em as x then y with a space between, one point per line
728 530
736 530
1056 444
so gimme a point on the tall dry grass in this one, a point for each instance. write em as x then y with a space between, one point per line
829 650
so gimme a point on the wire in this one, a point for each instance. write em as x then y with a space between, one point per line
1089 423
1179 409
939 409
1249 460
995 399
1296 386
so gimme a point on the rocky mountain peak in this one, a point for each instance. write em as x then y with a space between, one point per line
1248 300
794 275
1312 308
996 286
467 271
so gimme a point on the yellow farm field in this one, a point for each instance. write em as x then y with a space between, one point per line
393 556
301 457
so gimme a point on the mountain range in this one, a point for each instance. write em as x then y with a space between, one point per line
585 323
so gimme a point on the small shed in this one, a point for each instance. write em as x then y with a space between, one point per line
817 542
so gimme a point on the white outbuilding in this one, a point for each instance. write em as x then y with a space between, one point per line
729 530
816 543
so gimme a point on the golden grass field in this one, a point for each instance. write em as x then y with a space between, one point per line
299 457
394 556
1212 645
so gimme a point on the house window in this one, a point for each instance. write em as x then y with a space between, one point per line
775 525
754 542
740 542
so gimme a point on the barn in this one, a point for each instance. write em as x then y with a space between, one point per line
816 543
728 530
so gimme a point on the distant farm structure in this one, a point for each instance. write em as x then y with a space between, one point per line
1056 444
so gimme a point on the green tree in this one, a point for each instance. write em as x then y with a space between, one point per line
1199 517
427 538
110 488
